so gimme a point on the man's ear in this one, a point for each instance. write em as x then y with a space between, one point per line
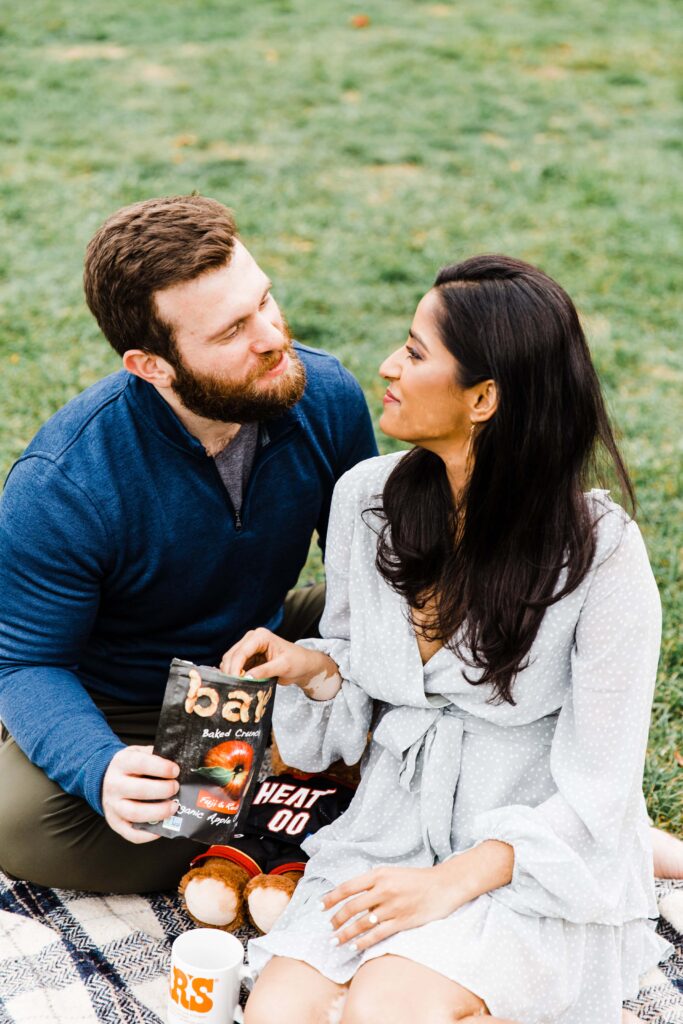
483 401
154 369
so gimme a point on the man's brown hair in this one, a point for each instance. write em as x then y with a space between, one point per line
146 247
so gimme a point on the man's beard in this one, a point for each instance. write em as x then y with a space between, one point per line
229 401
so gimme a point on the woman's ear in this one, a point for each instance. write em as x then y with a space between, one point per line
483 401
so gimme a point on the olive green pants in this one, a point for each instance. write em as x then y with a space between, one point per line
54 839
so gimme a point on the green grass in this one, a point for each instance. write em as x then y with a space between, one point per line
358 161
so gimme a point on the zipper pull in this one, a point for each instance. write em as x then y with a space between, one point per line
238 520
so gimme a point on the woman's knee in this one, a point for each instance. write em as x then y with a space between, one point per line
270 1007
362 1009
291 992
263 1007
392 990
381 1006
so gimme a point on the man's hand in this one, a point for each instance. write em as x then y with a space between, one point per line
138 786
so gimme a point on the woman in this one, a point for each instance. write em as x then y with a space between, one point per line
497 629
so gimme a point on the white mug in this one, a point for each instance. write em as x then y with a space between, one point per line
207 968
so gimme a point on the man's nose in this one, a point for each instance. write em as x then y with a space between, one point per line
269 336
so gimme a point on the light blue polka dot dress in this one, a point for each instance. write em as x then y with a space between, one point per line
558 776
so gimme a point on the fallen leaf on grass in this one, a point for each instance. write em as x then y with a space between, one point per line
88 51
678 758
547 73
156 73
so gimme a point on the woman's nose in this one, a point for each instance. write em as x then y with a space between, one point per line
391 367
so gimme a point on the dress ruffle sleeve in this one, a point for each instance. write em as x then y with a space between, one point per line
574 852
312 734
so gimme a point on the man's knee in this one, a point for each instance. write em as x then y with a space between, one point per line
23 794
18 825
303 609
38 819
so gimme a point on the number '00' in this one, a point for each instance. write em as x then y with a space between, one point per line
286 820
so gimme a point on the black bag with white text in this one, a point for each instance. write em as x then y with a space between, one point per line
216 729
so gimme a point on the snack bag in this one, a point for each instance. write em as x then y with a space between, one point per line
216 728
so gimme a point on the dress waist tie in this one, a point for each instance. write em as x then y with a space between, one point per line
428 743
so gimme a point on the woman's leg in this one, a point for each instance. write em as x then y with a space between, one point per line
668 854
395 990
292 992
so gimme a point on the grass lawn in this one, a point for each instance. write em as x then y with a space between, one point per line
359 159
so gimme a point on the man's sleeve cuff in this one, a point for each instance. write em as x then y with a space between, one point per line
92 774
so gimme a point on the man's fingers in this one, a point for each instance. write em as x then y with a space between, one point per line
134 787
135 835
126 830
144 811
139 837
141 761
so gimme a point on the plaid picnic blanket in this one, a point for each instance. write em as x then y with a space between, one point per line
73 958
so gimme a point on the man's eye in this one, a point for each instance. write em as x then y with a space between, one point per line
266 299
234 331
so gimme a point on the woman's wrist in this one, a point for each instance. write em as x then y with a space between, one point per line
321 680
477 871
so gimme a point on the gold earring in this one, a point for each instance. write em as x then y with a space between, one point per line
469 453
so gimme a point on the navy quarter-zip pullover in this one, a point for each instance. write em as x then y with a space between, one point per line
120 549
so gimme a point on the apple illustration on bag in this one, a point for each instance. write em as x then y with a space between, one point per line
228 766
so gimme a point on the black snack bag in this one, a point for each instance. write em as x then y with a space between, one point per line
216 728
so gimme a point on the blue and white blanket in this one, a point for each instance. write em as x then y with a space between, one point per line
73 958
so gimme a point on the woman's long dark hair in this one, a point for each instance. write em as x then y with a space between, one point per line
482 572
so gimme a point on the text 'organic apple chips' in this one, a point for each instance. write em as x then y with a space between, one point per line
216 728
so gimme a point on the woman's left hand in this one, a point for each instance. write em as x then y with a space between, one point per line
389 900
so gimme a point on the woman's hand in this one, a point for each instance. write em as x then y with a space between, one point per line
389 900
315 672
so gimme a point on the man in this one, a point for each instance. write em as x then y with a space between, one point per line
162 512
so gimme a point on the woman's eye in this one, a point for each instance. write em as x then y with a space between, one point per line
413 353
